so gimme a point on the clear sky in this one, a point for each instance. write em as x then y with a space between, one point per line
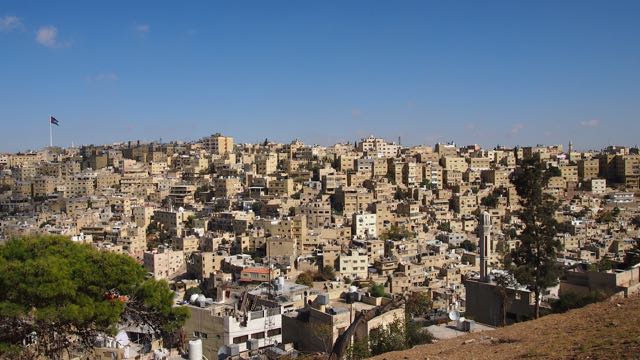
487 72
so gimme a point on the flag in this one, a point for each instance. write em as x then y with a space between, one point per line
54 121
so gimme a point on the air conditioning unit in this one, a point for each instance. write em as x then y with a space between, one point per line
234 349
253 344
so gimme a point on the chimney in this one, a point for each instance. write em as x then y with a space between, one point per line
485 245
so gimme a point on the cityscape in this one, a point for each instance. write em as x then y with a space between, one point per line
280 249
343 181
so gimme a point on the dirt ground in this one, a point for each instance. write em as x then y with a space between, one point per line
607 330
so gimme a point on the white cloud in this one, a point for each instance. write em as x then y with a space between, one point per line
516 128
590 123
48 36
10 23
143 29
102 77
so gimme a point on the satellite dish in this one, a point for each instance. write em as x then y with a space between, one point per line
454 315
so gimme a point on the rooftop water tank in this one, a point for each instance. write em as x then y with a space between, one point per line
195 349
193 298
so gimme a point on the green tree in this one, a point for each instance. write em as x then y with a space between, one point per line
402 194
389 338
323 334
377 290
416 334
328 272
426 183
604 217
358 350
397 233
256 207
190 221
534 260
504 282
60 295
305 279
490 200
417 303
444 226
469 246
572 300
605 264
554 171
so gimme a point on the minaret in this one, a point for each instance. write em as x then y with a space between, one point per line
485 245
570 149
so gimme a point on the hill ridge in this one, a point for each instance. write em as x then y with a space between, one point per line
605 330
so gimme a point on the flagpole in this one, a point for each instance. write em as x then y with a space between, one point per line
50 132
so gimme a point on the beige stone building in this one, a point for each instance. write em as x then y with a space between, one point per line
202 265
218 144
588 169
353 266
164 263
628 170
266 164
454 163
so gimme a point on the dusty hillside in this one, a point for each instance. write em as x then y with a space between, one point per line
608 330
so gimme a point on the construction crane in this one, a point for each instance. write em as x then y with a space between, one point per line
341 344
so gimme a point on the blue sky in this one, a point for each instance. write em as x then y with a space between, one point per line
487 72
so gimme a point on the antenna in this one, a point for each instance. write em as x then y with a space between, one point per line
454 315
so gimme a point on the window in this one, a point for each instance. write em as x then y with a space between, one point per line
274 332
240 339
258 335
200 335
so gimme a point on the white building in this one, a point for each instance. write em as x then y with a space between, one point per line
260 328
364 226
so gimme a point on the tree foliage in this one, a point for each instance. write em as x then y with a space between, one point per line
400 334
397 233
389 338
328 272
305 279
604 217
469 246
358 350
572 300
491 200
444 226
417 303
59 295
534 259
377 290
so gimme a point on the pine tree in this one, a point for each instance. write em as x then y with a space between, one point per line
534 260
59 296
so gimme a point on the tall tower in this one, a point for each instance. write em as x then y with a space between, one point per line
570 148
485 245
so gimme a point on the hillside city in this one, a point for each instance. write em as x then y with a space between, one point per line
287 250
